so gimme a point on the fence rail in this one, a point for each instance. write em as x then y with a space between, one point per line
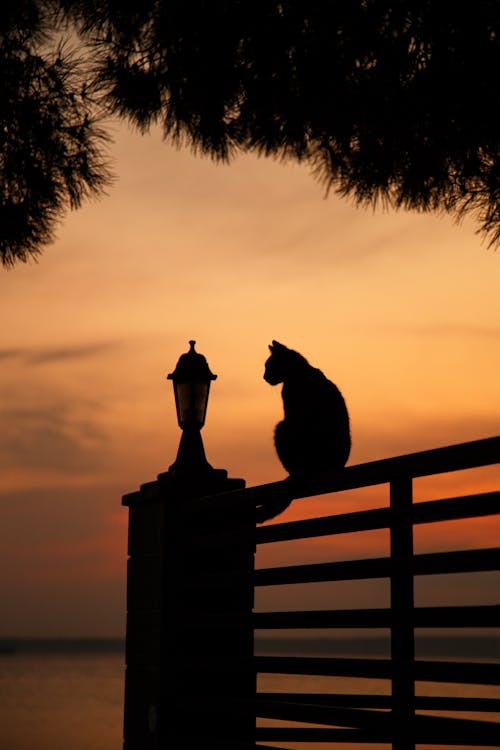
191 664
394 719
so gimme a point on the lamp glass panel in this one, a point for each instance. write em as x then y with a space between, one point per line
192 399
200 401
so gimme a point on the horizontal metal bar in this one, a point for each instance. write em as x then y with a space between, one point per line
362 700
344 570
351 700
446 703
470 506
471 673
432 726
467 561
477 673
309 713
320 734
453 508
476 616
425 730
430 511
187 738
346 618
456 730
375 668
423 463
344 523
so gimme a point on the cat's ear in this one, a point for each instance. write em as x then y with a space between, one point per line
277 345
270 347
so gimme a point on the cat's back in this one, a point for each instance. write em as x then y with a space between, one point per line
311 393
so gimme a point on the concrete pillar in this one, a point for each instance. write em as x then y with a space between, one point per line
190 681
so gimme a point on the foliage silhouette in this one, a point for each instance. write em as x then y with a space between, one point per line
51 153
390 104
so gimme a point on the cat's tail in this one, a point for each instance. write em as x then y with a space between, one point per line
282 498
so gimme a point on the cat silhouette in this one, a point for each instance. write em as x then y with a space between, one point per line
314 436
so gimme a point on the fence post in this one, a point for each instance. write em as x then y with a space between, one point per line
402 603
189 643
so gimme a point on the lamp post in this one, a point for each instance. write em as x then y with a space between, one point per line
191 380
189 642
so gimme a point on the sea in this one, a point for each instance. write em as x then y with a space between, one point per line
67 694
61 694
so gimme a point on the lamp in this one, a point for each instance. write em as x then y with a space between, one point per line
191 380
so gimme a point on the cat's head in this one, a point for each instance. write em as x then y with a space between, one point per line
277 365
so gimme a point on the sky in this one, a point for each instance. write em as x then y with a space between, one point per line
401 310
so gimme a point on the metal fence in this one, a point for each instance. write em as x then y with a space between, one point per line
395 718
190 619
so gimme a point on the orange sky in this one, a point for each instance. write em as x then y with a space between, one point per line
401 310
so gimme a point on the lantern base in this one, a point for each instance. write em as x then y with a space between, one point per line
191 461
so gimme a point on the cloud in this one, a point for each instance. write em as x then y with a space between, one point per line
40 356
10 354
55 436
